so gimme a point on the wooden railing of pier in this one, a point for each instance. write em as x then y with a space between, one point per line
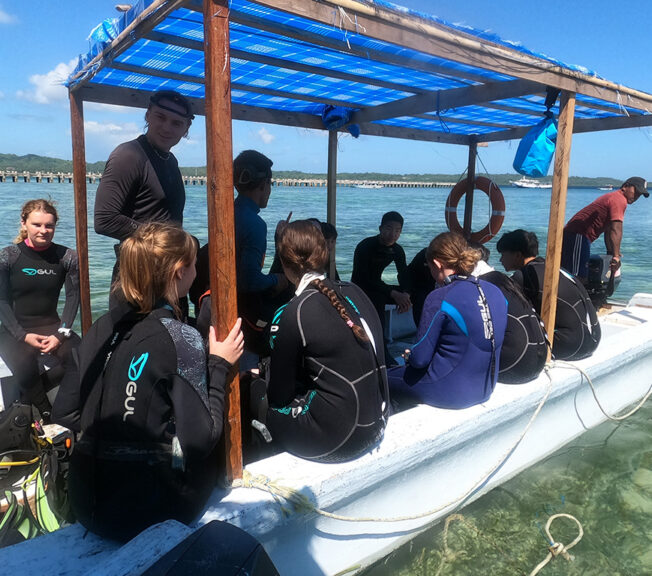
95 177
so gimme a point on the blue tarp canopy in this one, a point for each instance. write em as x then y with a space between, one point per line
396 72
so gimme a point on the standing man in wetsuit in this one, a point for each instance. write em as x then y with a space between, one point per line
141 180
604 215
370 259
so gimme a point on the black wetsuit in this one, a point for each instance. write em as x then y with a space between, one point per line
30 285
524 350
142 383
327 391
421 283
577 330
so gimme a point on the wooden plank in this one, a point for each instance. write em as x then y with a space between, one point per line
219 192
437 40
81 209
447 99
557 213
331 193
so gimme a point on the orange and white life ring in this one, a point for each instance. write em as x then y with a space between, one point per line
497 209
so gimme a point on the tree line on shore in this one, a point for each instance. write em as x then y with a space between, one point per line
35 163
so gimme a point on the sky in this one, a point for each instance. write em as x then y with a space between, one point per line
40 41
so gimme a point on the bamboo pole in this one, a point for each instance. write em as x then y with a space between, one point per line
331 193
470 187
219 191
81 217
557 212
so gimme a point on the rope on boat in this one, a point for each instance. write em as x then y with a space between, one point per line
568 365
557 548
303 503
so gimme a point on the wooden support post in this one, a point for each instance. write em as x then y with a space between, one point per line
557 211
81 218
331 193
219 191
468 202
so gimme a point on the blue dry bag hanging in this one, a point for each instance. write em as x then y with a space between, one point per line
537 148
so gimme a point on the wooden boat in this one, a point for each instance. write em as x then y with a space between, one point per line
334 519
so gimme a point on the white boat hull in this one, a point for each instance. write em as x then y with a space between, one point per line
428 459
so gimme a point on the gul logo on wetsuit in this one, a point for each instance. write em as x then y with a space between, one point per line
136 367
39 271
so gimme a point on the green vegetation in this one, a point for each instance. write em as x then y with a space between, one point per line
33 163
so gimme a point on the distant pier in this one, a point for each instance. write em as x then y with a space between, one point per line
96 177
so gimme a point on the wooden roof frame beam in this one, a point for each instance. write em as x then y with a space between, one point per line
430 38
447 99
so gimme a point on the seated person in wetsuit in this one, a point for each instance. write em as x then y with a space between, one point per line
330 235
327 386
32 272
147 399
370 259
456 359
421 283
577 330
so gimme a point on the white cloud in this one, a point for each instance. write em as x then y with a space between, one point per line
49 87
266 136
6 18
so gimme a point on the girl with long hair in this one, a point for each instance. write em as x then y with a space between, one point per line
147 399
33 271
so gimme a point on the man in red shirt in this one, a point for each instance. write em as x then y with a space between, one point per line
604 215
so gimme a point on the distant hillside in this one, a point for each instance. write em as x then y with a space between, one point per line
34 163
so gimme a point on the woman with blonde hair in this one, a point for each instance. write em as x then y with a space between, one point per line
33 271
327 384
455 362
147 399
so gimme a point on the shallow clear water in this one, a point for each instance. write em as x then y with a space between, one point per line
604 479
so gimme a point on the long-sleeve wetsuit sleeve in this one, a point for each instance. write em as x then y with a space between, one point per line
7 317
122 176
285 363
198 425
252 245
365 275
71 265
432 320
403 274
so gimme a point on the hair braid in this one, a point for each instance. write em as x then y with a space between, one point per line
358 331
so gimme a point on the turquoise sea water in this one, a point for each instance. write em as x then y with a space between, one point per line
604 478
358 216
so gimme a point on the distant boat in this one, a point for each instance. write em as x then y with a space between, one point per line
368 185
606 188
530 183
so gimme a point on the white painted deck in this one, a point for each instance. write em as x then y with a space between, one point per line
429 458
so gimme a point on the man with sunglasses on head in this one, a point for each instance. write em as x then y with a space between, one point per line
141 180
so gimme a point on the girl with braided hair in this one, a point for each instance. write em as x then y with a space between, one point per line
455 362
327 384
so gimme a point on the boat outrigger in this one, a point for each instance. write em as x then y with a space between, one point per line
429 81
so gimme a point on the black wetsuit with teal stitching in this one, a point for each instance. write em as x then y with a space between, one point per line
327 391
131 400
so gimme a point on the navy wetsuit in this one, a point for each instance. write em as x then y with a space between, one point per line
524 350
30 285
327 391
455 362
577 330
150 418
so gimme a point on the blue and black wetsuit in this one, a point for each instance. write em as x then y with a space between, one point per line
30 285
525 349
577 330
456 359
149 418
327 391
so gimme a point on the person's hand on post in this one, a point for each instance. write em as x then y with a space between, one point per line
402 299
35 340
231 347
614 264
49 344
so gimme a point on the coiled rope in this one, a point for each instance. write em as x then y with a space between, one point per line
557 548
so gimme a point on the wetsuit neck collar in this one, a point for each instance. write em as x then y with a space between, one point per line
36 248
308 277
